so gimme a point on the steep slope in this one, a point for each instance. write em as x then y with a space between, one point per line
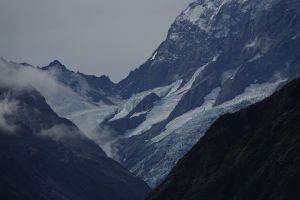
243 30
251 154
219 56
44 156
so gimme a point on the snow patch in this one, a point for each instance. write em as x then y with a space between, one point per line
256 57
154 56
295 36
189 84
137 114
228 75
251 44
174 36
193 14
202 13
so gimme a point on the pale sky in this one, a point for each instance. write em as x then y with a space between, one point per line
101 37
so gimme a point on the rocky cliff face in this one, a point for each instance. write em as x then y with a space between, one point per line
251 154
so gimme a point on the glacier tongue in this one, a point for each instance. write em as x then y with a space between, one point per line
160 112
185 130
128 105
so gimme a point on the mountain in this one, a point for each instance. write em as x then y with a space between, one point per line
91 87
251 154
70 94
44 156
226 30
219 56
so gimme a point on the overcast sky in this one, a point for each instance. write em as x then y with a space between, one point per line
98 37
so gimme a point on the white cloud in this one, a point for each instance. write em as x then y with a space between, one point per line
21 77
7 107
25 78
60 132
105 138
56 94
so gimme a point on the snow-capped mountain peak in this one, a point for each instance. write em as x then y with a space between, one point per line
209 16
56 65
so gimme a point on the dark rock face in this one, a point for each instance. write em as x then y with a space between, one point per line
146 104
251 154
120 126
46 157
257 46
134 118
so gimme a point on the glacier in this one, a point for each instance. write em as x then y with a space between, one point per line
187 129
